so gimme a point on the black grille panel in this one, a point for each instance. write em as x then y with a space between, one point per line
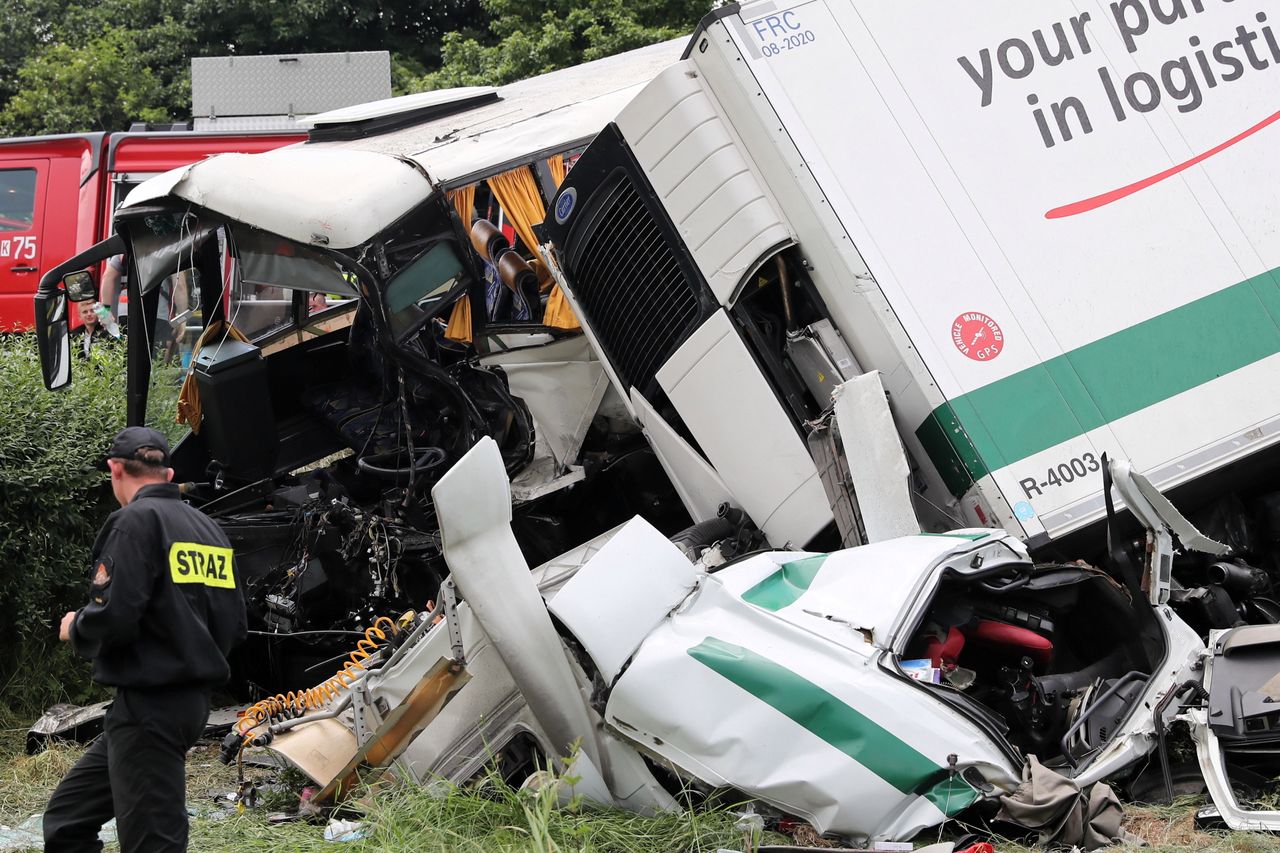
639 300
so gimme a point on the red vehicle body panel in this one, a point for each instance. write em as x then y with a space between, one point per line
78 180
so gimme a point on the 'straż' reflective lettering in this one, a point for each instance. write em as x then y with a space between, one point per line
191 562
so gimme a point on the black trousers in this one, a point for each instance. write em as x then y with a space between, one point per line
136 772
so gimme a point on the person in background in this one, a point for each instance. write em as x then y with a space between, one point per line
109 293
91 331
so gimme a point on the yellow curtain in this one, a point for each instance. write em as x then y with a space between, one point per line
558 171
558 313
464 201
518 194
459 328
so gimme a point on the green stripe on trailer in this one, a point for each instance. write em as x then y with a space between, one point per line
787 584
1037 408
843 727
972 537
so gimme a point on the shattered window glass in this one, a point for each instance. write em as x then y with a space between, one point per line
168 242
423 288
271 269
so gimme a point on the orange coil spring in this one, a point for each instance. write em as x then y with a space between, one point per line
291 704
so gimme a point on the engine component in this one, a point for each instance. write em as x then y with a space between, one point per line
1239 578
291 704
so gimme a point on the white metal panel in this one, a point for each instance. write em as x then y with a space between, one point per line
877 464
857 595
329 197
562 383
699 486
473 501
348 191
617 598
544 114
720 207
968 208
738 422
240 124
395 106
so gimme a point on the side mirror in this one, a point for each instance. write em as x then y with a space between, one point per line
80 286
53 339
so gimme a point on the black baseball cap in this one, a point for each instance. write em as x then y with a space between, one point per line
130 440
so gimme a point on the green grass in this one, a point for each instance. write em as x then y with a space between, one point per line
488 818
491 817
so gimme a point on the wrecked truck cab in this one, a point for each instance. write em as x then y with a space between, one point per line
1238 726
797 666
312 434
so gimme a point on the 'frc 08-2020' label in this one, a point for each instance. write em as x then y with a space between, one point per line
780 33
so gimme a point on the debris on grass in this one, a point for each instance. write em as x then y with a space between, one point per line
492 817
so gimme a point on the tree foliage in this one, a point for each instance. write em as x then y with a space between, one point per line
103 64
524 39
100 86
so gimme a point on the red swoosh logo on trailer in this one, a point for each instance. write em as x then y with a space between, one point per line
1124 192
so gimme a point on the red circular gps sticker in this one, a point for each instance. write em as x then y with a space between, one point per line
977 336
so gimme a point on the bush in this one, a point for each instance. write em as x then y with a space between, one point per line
52 501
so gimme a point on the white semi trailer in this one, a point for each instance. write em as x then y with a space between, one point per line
1051 227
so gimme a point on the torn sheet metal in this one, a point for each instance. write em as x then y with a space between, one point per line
291 192
79 723
319 749
1162 520
1141 496
877 463
779 675
398 729
491 573
858 596
562 383
613 603
1239 724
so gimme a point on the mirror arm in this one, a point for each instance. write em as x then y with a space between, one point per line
52 279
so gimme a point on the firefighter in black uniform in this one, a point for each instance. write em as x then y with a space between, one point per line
165 608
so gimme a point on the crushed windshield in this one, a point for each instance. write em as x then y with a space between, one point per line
179 256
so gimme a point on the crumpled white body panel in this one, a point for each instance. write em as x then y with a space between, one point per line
735 694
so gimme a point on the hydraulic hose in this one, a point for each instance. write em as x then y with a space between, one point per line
294 704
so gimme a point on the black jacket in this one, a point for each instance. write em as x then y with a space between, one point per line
166 604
